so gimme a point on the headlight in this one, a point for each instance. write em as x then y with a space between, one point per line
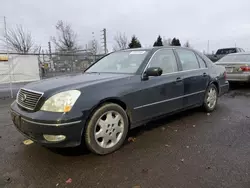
61 102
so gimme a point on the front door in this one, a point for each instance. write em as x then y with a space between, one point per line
195 76
159 95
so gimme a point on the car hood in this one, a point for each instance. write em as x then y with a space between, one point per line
72 81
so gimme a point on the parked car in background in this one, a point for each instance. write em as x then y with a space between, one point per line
237 66
222 52
121 91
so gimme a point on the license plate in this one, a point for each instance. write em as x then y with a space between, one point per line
229 69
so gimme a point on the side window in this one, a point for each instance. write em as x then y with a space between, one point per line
188 59
164 59
201 62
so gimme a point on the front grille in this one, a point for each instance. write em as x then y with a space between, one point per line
28 99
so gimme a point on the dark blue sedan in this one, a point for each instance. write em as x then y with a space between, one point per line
121 91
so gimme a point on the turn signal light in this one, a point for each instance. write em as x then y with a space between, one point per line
245 68
67 108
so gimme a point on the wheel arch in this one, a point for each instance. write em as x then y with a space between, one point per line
114 100
216 85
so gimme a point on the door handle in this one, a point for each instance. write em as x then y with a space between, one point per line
179 79
204 74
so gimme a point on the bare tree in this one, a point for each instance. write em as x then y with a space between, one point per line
18 40
187 45
121 42
94 47
66 39
167 42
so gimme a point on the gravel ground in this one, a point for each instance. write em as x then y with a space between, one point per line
190 149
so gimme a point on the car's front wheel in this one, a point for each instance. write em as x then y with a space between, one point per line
107 129
211 98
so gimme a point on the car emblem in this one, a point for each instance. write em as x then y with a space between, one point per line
23 97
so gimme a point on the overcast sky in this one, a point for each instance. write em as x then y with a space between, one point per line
223 22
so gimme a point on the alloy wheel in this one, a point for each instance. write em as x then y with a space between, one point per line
211 98
109 129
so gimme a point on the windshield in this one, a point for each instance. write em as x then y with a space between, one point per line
236 58
119 62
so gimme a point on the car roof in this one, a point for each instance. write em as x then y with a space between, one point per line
228 48
240 53
156 48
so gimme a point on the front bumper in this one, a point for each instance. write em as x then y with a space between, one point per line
243 77
37 124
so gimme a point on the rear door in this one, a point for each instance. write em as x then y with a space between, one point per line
162 94
195 76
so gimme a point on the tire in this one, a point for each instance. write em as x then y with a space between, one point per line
107 129
210 106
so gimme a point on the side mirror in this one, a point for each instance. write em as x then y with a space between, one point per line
152 71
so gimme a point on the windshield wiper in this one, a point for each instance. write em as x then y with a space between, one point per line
92 72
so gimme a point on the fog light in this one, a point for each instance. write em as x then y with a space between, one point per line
54 138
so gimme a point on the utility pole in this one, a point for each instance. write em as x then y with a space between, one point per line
43 56
10 77
104 34
49 44
94 47
208 47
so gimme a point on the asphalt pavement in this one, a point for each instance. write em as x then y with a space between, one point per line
5 90
190 149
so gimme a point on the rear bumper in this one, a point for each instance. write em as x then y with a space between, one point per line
36 129
243 77
224 88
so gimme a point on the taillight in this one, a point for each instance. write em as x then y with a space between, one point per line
245 68
225 75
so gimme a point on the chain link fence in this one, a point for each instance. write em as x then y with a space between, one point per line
49 65
63 64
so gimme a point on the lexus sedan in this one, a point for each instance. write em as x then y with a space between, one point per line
121 91
237 66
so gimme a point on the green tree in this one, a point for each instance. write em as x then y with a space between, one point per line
175 42
158 42
178 43
135 43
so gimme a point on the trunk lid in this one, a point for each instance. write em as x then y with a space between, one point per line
234 67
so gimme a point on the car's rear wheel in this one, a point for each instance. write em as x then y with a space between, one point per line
107 129
211 98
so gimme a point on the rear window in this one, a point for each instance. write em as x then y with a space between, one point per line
226 51
235 58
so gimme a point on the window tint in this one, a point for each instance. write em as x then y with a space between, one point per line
226 51
120 62
188 59
165 59
201 62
